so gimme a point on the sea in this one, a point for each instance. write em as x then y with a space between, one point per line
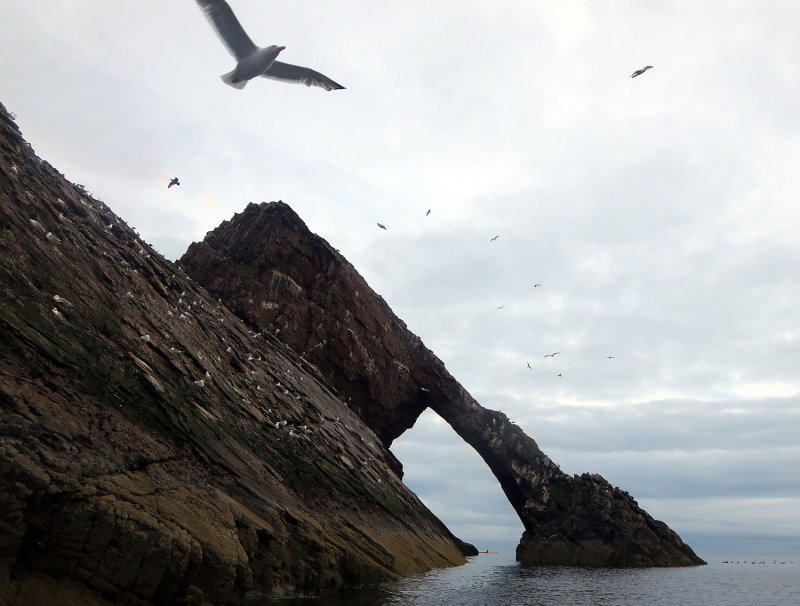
497 580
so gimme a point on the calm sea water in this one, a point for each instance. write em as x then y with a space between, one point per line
496 580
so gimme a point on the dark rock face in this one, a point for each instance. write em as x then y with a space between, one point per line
272 272
269 269
153 449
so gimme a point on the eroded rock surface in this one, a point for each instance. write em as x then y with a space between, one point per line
269 269
153 448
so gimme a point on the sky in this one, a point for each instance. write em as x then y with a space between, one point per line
658 214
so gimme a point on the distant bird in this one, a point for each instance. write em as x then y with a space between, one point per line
381 225
501 307
427 213
639 72
252 61
559 374
495 238
552 355
529 365
173 181
610 357
536 285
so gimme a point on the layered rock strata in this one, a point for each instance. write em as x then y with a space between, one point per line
156 450
268 268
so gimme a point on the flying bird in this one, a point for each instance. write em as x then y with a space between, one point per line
495 238
536 285
501 307
552 355
639 72
173 181
381 225
529 365
251 60
427 213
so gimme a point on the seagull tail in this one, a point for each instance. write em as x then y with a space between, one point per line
228 79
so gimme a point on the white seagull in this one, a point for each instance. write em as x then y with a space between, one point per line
253 61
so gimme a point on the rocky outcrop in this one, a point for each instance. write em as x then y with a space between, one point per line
268 268
154 448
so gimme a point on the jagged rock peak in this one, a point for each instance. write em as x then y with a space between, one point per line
278 276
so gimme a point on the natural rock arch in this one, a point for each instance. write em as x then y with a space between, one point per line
269 269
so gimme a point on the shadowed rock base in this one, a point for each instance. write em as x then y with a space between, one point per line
587 522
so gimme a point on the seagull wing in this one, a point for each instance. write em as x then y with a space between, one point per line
228 28
300 75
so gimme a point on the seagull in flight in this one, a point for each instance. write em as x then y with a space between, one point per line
173 181
639 72
501 307
552 355
495 238
251 60
536 285
381 225
529 365
427 213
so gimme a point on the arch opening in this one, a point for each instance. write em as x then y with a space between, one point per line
456 484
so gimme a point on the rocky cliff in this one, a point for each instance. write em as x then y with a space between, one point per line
268 268
156 450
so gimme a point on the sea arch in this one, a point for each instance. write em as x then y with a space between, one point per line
274 273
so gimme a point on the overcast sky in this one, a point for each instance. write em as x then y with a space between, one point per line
660 214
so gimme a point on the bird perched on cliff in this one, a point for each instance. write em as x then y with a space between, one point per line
251 60
173 181
639 72
381 225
